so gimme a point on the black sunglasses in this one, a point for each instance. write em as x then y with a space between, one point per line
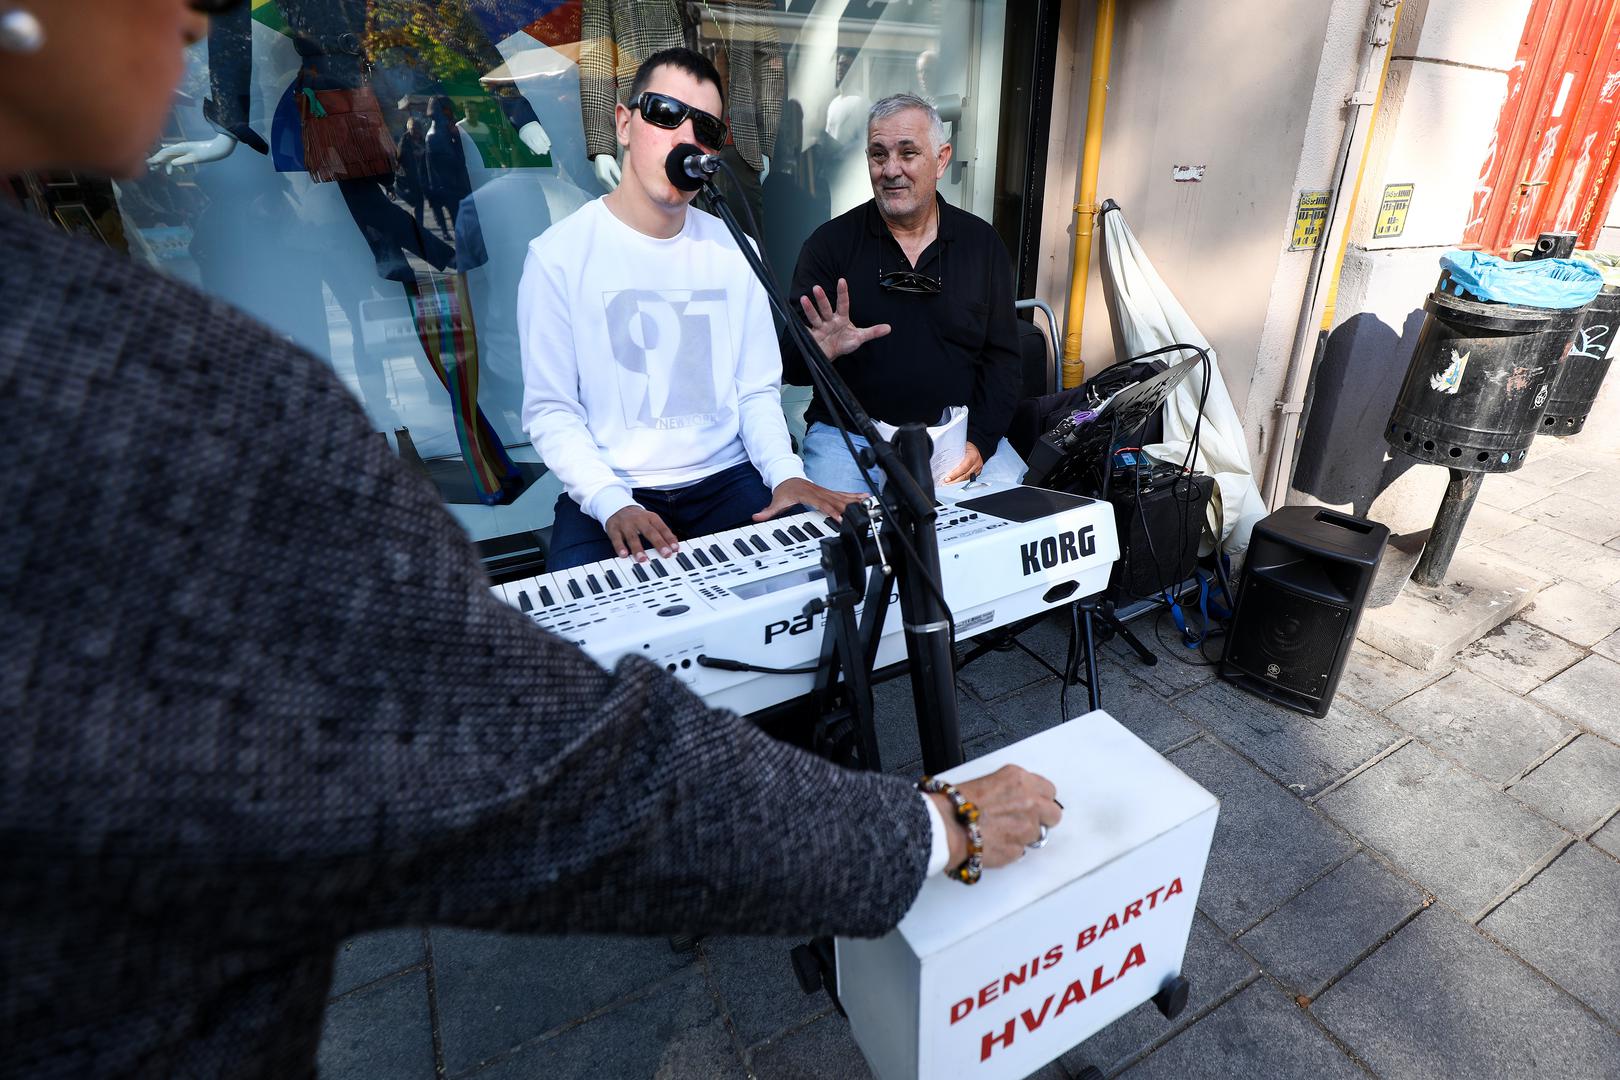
213 7
909 281
664 111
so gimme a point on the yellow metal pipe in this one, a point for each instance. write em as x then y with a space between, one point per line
1330 309
1102 45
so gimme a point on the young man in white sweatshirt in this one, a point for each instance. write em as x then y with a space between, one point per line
652 379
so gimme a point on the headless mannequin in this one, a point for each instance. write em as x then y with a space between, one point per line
436 285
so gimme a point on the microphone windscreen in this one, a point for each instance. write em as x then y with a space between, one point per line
675 167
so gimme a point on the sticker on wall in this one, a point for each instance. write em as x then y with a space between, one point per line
1392 211
1450 379
1187 174
1310 217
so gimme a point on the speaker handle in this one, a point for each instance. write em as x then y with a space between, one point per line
1344 521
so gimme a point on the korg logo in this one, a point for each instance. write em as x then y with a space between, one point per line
1065 547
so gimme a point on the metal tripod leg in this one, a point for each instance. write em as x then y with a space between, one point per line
1146 654
1088 642
1083 646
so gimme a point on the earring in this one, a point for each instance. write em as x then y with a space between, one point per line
20 31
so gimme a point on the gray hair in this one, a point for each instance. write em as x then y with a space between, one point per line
899 103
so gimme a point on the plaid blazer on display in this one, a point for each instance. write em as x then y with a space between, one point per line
617 35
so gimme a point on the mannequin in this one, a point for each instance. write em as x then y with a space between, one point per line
617 35
370 53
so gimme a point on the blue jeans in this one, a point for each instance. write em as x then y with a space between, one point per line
827 461
725 500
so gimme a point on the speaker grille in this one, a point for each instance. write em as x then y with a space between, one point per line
1286 639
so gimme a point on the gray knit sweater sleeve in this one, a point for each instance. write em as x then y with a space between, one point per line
260 697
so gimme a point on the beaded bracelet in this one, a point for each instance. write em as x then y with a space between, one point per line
967 815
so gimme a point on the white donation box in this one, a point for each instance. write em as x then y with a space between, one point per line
994 980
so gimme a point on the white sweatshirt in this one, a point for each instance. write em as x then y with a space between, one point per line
647 362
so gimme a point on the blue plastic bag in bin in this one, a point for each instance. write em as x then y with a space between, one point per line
1543 283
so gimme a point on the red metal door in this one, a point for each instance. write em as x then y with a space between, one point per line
1551 166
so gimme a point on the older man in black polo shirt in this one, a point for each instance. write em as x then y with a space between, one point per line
921 312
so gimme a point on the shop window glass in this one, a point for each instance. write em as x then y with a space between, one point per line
366 174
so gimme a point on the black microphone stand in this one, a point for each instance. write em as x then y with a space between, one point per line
846 730
911 556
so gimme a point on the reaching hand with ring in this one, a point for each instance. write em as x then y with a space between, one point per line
1016 809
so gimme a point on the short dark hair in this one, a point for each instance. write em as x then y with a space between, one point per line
694 64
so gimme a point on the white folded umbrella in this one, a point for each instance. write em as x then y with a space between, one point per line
1147 316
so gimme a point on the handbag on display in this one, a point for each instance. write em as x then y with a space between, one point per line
345 135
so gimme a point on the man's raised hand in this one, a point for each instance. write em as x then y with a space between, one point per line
830 325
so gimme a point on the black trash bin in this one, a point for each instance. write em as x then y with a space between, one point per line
1581 375
1479 382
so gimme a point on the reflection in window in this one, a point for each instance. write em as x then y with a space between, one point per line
365 176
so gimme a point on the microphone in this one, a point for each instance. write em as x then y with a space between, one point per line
688 167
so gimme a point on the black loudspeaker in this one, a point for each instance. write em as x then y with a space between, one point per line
1305 582
1159 518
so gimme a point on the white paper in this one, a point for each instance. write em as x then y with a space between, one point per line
950 441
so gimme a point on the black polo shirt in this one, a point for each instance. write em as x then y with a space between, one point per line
956 347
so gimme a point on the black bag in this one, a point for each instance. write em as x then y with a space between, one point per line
1035 416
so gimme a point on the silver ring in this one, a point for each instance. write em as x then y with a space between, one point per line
1041 842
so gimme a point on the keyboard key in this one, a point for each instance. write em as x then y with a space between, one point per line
596 586
524 604
575 591
719 553
762 546
703 560
813 531
658 568
613 580
797 534
641 575
781 537
742 548
686 564
546 599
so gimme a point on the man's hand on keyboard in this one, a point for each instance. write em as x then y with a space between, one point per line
634 527
799 491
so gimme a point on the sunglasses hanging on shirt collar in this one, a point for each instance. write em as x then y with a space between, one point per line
663 111
909 281
914 282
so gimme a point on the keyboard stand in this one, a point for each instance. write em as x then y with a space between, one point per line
845 728
1085 615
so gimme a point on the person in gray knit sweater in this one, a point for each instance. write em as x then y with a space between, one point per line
258 696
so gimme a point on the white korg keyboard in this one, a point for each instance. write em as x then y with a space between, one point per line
1005 553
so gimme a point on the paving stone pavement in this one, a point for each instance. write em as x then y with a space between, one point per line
1426 883
1491 731
1546 549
